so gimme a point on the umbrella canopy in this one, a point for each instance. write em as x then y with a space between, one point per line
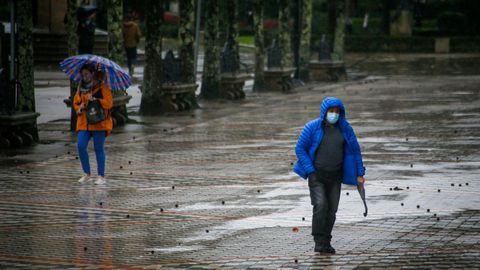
116 78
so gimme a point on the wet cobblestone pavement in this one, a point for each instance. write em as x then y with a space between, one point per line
213 189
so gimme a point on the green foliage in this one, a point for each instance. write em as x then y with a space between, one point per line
462 44
248 40
465 44
271 9
428 28
374 26
452 23
169 30
269 36
245 30
4 12
319 19
389 44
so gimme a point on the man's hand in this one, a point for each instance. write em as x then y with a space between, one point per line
360 179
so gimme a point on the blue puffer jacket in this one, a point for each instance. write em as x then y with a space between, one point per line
310 140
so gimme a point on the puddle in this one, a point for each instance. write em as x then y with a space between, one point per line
174 249
382 202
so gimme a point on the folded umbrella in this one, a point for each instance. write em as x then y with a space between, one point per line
361 190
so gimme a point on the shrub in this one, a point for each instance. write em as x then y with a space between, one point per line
451 23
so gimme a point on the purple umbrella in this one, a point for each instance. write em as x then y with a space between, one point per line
116 78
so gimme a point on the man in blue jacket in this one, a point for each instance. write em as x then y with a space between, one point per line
328 155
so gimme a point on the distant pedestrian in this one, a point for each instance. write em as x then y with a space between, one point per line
328 154
131 36
86 29
92 91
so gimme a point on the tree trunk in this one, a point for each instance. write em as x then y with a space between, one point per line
232 28
211 64
114 27
339 42
259 81
152 76
305 39
284 35
71 27
332 21
295 10
26 97
223 11
186 33
387 6
72 43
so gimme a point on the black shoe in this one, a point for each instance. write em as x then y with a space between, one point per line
318 246
327 248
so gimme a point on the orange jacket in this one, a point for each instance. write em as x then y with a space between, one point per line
131 34
104 95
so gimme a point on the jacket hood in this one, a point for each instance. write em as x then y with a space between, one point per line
128 24
330 102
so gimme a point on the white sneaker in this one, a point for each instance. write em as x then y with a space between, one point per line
84 178
100 180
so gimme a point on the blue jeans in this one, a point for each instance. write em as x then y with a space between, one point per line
83 138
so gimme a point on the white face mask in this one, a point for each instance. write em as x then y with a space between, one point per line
332 117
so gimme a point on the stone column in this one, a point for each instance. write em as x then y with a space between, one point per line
211 66
152 76
259 81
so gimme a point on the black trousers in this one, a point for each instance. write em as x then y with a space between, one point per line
325 196
85 48
131 57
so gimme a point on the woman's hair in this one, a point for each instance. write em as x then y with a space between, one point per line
89 67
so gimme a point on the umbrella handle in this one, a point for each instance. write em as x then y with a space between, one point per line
366 208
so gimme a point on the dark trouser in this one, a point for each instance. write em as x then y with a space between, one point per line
325 196
85 48
131 58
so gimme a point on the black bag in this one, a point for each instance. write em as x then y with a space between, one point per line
95 112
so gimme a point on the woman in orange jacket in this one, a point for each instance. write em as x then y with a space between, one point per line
89 90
